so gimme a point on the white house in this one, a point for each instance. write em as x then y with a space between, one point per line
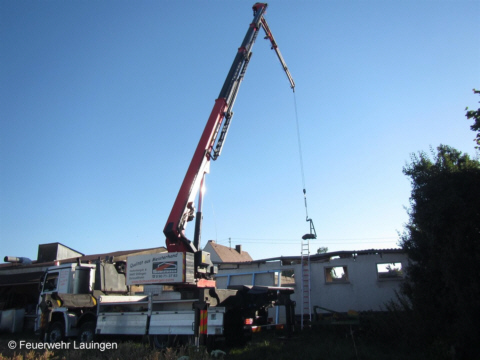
339 281
224 254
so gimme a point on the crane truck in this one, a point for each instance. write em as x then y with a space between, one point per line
85 300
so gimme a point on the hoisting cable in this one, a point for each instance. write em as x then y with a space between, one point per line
269 36
313 233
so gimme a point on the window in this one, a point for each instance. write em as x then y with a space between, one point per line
389 271
50 283
336 274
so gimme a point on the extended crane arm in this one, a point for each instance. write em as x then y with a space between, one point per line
269 36
183 209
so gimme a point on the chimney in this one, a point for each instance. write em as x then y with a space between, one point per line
238 248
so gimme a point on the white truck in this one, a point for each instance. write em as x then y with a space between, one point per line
82 301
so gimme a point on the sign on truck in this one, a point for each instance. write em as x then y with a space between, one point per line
164 268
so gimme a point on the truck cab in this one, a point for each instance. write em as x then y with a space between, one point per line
68 297
61 279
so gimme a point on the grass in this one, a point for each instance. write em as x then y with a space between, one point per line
324 344
123 349
319 343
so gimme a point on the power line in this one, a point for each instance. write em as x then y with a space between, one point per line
323 240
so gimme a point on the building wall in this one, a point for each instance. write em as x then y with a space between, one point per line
55 251
213 254
363 288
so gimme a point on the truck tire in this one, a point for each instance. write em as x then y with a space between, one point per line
161 342
56 332
87 332
187 340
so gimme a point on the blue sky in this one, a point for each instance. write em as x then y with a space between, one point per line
102 104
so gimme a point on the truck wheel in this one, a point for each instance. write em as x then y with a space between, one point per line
187 340
160 342
56 332
87 332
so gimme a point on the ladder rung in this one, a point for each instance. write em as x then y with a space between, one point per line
305 266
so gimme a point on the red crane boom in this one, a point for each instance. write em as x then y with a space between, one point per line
183 209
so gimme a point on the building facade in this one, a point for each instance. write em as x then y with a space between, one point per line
338 281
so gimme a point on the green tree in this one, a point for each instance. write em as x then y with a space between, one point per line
442 240
322 250
475 115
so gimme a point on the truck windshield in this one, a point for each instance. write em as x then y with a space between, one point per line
50 283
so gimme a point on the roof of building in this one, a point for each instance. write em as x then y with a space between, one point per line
290 260
227 254
120 255
21 274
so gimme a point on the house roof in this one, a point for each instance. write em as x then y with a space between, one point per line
227 254
20 274
119 255
288 260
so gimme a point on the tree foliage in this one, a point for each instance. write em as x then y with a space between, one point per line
442 240
322 250
475 115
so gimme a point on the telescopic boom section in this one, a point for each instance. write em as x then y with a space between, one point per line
269 36
183 209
